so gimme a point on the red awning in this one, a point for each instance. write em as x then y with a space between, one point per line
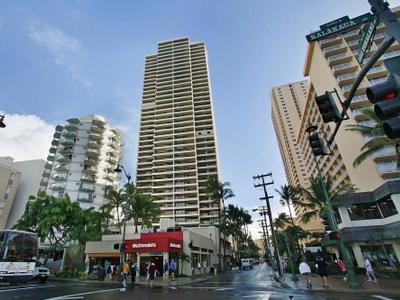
154 245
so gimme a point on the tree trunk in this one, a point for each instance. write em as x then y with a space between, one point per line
290 212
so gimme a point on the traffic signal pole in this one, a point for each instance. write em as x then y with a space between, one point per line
346 104
352 278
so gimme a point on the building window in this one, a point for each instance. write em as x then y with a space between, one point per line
381 255
387 207
364 211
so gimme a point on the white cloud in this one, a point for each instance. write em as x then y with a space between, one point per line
53 38
25 137
64 48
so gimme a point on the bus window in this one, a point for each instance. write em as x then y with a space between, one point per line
2 244
14 247
30 246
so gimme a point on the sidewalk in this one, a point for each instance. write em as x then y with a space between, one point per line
337 284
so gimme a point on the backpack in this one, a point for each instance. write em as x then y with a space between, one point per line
109 270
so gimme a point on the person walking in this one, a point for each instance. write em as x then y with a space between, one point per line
125 273
165 269
342 267
152 272
305 271
322 271
148 271
172 268
369 270
109 270
134 270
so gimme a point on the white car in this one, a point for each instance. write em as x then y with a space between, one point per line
247 263
41 273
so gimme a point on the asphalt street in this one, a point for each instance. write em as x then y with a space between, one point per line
251 284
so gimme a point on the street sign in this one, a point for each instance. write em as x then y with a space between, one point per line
337 26
367 36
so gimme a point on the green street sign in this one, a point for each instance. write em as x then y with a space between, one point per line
367 35
337 26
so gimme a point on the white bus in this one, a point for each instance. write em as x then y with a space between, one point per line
18 251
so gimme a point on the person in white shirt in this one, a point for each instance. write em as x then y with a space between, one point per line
305 271
369 270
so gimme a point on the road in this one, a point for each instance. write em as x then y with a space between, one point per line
252 284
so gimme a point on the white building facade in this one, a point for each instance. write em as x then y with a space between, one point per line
82 160
177 144
31 174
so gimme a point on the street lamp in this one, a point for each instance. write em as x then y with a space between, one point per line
118 169
2 125
353 281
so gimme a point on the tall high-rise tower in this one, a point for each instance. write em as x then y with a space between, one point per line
177 144
83 156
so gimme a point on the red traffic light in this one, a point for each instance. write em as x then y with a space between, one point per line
335 235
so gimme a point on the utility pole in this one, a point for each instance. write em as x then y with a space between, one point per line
264 185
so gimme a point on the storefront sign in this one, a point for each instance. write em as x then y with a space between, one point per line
172 245
140 245
156 242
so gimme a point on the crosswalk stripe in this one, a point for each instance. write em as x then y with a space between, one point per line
382 297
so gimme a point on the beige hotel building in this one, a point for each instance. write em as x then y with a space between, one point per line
331 64
177 143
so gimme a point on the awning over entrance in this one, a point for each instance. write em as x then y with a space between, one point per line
156 242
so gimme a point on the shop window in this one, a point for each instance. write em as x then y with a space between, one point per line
380 255
387 207
364 211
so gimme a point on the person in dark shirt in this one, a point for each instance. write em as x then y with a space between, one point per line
322 271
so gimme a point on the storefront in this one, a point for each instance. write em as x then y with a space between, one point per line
155 248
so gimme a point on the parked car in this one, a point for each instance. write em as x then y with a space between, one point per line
41 273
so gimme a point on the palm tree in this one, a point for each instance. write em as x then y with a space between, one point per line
140 208
183 257
282 221
219 193
287 194
313 200
115 200
377 139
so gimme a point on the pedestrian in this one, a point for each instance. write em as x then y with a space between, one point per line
172 268
152 272
166 269
125 273
322 271
148 271
392 261
99 272
369 270
134 270
305 271
342 268
109 271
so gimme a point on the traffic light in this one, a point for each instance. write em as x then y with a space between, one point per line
317 144
327 107
326 222
334 235
191 244
386 97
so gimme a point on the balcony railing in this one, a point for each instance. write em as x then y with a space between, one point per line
343 65
331 48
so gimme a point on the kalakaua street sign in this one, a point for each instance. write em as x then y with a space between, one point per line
337 26
367 35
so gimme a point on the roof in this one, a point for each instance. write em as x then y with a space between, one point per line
387 189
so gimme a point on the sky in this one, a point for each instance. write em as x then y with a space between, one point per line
67 58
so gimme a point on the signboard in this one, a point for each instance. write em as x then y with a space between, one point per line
154 245
17 268
334 22
367 36
337 26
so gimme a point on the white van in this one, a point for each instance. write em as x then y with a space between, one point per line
247 263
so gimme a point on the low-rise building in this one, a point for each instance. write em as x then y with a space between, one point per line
370 225
199 244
